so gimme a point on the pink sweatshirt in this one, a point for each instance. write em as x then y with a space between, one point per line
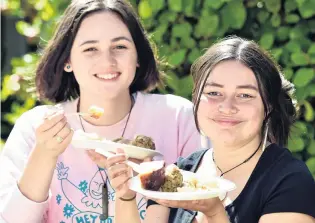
75 191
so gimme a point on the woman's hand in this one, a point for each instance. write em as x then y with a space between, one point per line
209 207
119 174
97 158
101 160
53 135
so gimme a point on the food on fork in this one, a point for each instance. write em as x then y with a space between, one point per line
95 112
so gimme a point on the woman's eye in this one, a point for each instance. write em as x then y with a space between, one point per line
90 49
245 96
213 93
120 47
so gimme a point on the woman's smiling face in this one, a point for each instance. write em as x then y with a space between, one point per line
231 110
104 56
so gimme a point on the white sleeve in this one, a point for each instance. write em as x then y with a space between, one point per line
13 204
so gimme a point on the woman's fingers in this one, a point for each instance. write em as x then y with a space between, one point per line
97 158
58 127
67 140
120 151
206 206
118 158
51 121
121 181
64 132
116 170
176 204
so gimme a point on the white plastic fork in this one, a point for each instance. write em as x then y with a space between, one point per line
136 167
78 113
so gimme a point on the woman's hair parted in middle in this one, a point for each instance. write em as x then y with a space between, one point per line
56 85
276 92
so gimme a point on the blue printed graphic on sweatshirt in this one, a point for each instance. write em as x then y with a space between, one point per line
83 202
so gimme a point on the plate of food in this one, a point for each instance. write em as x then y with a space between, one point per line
172 183
139 148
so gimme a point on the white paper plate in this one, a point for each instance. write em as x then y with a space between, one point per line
223 187
109 146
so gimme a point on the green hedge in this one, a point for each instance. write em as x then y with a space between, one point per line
182 30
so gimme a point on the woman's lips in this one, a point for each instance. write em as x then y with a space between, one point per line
226 122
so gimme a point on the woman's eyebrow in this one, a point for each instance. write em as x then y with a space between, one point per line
116 39
121 38
89 42
246 86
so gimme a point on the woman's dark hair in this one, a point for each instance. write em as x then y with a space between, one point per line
54 84
275 90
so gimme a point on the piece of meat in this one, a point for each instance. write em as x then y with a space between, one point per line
153 180
163 179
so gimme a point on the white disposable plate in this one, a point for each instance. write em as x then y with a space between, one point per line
110 146
223 187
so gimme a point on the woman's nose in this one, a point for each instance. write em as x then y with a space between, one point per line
227 107
107 59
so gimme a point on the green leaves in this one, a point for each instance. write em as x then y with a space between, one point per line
273 5
290 5
292 18
145 10
309 111
181 30
235 14
175 5
193 55
303 77
299 58
307 9
177 57
267 40
296 144
311 148
27 29
207 26
182 86
214 4
311 165
156 5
